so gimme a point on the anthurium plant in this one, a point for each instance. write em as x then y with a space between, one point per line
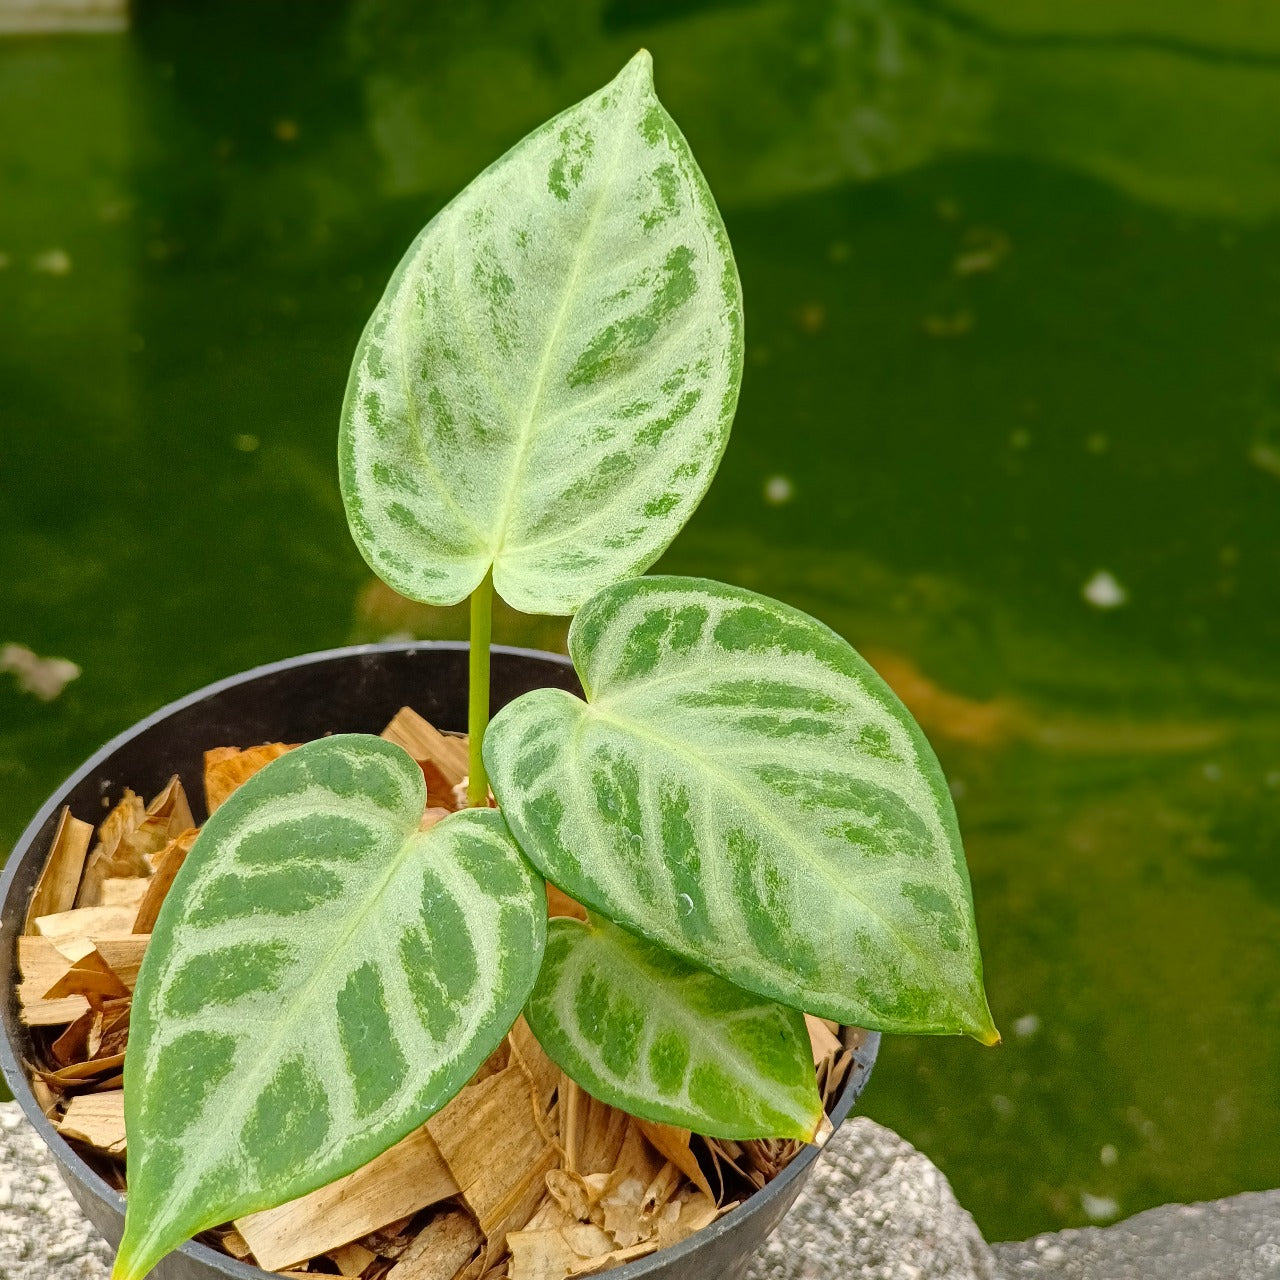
754 822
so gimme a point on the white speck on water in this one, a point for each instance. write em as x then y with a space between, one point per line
778 490
957 787
53 262
1099 1208
1001 1105
246 443
1104 592
1027 1025
1108 1155
1212 772
686 904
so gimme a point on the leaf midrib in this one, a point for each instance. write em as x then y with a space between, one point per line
526 433
691 1026
765 816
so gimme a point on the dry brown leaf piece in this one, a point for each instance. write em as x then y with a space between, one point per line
615 1259
673 1143
693 1211
660 1190
591 1131
73 1044
543 1074
560 904
168 862
552 1254
225 768
571 1194
407 1177
110 856
443 759
59 882
91 977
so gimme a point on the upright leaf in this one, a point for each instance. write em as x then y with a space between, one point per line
650 1033
548 382
323 976
741 788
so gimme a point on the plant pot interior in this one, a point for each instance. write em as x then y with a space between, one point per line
362 690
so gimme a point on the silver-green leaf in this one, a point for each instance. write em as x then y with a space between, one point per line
647 1032
323 976
547 385
741 788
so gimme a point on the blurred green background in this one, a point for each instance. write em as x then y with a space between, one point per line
1010 422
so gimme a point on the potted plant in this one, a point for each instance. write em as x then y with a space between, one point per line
754 824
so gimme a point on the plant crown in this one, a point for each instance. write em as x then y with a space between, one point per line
754 821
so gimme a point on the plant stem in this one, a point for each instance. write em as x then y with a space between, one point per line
478 706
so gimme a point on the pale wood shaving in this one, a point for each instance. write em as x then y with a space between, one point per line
493 1143
404 1179
85 922
448 1242
96 1119
351 1259
824 1041
59 882
123 891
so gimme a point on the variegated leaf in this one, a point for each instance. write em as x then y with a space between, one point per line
323 976
743 789
641 1029
548 383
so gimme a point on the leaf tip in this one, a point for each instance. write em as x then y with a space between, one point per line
125 1268
984 1031
823 1132
640 68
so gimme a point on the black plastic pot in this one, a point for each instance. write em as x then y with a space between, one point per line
343 690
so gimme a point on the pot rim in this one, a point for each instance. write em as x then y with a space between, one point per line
75 1165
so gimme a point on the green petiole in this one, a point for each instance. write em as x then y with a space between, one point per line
478 705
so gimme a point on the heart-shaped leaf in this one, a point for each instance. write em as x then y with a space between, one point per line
548 383
323 976
649 1033
744 790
